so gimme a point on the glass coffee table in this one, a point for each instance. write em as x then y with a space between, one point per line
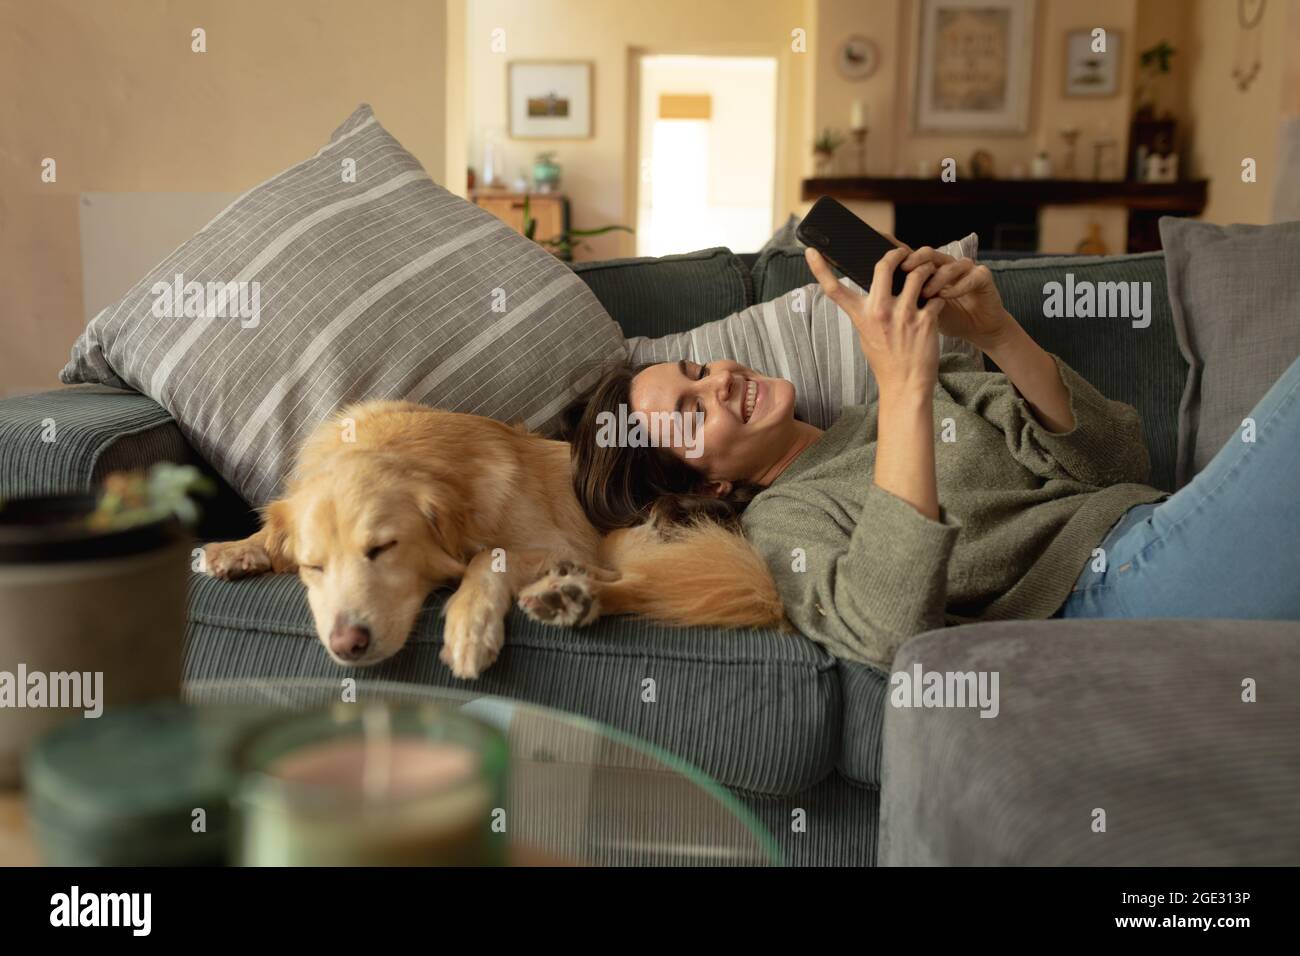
579 792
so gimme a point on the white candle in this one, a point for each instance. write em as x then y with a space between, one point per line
858 116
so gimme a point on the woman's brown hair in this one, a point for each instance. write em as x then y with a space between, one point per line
619 487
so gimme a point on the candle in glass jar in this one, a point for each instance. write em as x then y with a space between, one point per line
373 772
375 798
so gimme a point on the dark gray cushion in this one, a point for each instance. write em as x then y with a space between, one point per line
656 296
95 429
865 688
755 710
1140 366
784 237
843 821
1235 295
99 429
1141 719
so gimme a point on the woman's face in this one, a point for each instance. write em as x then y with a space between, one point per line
748 421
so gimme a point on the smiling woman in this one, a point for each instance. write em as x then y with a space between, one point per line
748 433
744 434
1039 467
617 482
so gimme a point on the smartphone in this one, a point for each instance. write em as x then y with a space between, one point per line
848 243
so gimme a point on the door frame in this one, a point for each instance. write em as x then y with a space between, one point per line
785 189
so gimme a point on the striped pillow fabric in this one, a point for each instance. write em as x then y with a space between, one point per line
802 337
349 276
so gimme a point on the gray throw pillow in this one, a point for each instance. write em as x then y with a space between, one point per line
1235 295
801 336
349 276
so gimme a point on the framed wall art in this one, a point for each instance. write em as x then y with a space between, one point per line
974 66
549 99
1088 73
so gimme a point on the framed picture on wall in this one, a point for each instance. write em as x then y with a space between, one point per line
549 99
1088 73
974 65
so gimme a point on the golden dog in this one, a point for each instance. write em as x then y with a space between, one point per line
390 500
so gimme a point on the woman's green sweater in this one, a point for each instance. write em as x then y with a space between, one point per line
1021 511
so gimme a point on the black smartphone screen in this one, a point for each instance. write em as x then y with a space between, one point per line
847 242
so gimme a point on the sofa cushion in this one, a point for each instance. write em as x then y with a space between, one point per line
655 296
866 689
782 267
1146 720
755 710
1138 365
783 238
1235 295
64 441
362 279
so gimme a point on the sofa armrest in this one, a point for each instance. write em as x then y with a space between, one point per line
1143 720
64 441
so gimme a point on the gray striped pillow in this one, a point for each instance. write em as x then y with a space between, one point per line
319 288
802 337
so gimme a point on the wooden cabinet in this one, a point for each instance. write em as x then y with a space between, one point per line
551 211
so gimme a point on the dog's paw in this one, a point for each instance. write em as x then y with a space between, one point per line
564 594
472 636
230 560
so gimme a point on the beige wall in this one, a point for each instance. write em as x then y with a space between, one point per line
600 172
1229 125
112 92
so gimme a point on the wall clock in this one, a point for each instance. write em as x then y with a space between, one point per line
858 58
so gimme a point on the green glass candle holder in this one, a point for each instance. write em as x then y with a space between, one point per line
372 785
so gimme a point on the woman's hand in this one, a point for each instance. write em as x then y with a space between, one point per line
900 341
973 307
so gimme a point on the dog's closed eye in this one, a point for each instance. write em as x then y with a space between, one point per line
377 550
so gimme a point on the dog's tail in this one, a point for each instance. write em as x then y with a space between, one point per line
701 574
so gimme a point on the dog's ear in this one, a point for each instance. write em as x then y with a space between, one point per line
447 523
277 526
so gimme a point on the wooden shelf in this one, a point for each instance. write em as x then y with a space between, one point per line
1186 198
551 210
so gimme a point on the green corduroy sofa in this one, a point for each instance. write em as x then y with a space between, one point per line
771 716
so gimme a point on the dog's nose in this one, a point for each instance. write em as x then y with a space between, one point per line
349 641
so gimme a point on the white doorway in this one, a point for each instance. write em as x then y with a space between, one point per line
707 144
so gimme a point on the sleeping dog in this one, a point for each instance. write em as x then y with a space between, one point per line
421 498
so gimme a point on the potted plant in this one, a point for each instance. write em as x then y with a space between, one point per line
1153 133
1154 68
92 601
546 173
564 244
824 147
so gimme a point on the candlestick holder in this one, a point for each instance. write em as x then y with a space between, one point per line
1071 137
1098 155
860 138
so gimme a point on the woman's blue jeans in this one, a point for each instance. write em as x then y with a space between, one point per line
1227 545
